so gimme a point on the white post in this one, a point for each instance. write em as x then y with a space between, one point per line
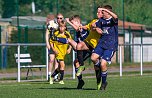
19 73
47 63
120 55
73 64
141 60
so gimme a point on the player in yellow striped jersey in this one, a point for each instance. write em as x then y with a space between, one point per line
60 50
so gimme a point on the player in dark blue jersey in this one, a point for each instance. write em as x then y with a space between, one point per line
108 43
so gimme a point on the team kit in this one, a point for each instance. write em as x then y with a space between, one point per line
97 40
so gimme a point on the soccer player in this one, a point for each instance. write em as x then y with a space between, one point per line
49 33
90 43
60 51
108 43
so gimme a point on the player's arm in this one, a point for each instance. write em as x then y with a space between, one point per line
74 26
47 39
84 27
53 49
111 13
69 49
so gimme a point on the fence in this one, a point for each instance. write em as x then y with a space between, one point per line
119 51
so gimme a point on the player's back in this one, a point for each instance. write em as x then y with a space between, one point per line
93 37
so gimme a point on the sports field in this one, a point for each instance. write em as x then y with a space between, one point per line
118 87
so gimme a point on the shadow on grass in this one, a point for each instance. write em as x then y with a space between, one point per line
67 88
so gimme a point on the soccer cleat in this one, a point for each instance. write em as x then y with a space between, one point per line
80 69
99 85
80 84
61 82
103 86
51 80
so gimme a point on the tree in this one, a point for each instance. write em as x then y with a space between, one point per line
8 8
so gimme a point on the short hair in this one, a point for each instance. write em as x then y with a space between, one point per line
77 17
100 6
108 7
59 14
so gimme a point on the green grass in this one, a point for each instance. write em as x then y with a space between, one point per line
118 87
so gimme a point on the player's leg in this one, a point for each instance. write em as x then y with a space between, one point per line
80 80
62 66
80 47
96 61
56 71
72 43
56 64
104 74
50 65
107 55
66 41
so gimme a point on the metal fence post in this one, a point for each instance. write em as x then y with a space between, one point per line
0 50
47 63
19 72
120 55
141 59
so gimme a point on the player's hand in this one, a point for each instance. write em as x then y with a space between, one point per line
55 52
48 46
99 30
93 25
67 20
68 51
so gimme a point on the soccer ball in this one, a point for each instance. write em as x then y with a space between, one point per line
52 25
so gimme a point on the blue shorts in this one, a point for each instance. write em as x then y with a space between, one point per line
104 53
50 51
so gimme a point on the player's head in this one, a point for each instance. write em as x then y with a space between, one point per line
106 14
62 26
59 17
75 20
99 12
49 18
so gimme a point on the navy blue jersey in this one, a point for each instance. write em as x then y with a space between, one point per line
81 35
109 38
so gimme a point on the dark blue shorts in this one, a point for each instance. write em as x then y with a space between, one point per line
50 51
104 53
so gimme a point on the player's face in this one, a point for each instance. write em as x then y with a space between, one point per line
59 18
106 14
99 13
62 28
76 22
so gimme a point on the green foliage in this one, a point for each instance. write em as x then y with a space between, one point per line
138 11
8 8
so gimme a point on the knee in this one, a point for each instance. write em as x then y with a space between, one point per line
51 61
93 59
79 46
96 68
76 63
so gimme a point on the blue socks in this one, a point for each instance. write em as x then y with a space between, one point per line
104 76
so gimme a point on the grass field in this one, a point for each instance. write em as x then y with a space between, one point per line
118 87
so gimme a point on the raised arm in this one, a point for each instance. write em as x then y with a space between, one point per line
110 12
74 26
